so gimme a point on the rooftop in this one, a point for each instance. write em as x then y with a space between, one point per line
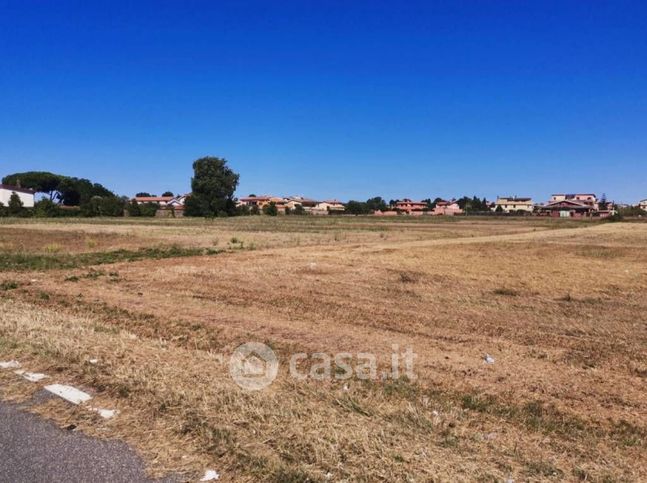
18 189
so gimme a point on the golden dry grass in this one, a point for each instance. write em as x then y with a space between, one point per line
562 311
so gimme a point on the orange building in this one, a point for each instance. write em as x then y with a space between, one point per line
411 207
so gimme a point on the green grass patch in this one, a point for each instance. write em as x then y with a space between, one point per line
9 285
25 262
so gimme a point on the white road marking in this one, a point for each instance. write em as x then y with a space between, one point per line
69 393
9 365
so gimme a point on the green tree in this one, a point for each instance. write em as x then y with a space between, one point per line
79 191
167 193
298 209
376 204
270 209
15 206
3 210
356 208
213 185
143 194
603 203
39 181
254 210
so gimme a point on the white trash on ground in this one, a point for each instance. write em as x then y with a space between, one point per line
69 393
31 376
489 359
9 365
210 475
106 413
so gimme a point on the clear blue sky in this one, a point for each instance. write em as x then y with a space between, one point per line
346 99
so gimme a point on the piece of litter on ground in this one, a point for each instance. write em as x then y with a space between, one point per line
210 475
435 413
93 361
32 376
106 413
69 393
9 365
489 359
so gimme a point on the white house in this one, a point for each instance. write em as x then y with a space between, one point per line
25 195
643 205
327 207
512 204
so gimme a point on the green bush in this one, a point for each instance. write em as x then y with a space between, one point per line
103 206
270 209
149 209
46 208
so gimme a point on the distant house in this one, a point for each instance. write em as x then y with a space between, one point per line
580 205
447 208
589 199
567 208
259 201
328 207
25 195
175 207
411 207
160 200
513 204
643 205
306 203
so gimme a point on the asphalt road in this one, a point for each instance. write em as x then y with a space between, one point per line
35 450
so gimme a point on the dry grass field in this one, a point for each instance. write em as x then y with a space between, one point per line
561 307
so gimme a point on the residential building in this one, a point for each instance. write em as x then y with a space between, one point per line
568 208
411 207
262 201
643 205
328 207
513 204
306 203
25 195
589 199
160 200
259 201
175 207
447 208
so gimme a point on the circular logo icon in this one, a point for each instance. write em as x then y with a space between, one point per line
253 366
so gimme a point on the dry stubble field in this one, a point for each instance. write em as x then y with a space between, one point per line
560 306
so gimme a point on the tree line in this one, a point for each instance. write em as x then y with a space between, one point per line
377 203
213 186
